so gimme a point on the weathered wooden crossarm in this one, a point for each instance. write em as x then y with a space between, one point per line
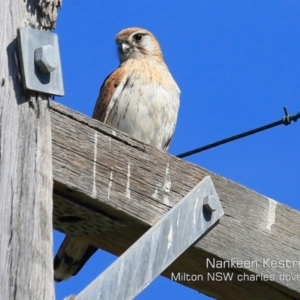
109 189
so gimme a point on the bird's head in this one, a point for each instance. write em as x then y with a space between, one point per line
137 43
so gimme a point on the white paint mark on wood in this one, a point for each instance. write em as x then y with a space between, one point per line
167 186
110 183
95 164
170 237
155 194
113 133
271 213
128 182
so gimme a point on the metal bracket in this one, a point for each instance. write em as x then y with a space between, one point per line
149 256
40 61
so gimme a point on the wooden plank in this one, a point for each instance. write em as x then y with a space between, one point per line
107 173
25 165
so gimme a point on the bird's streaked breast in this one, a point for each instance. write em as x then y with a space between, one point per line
147 105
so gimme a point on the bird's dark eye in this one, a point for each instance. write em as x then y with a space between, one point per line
138 37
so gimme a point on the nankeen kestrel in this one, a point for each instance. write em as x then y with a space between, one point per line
140 98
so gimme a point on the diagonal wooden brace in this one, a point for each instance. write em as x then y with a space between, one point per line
149 256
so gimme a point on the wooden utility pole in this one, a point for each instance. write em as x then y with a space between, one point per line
25 165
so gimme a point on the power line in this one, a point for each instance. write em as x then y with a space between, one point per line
286 120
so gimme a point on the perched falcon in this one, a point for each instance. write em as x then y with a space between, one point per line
140 98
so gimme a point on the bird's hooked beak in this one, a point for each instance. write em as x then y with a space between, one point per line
125 48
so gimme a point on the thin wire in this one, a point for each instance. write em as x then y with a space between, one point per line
286 120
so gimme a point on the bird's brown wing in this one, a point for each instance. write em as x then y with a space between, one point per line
109 93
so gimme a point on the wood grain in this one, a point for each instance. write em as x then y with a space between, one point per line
108 175
25 166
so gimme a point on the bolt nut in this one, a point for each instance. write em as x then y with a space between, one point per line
45 58
210 203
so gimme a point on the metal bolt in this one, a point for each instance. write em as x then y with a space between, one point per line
210 203
45 58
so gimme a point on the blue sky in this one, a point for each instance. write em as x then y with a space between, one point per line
237 64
